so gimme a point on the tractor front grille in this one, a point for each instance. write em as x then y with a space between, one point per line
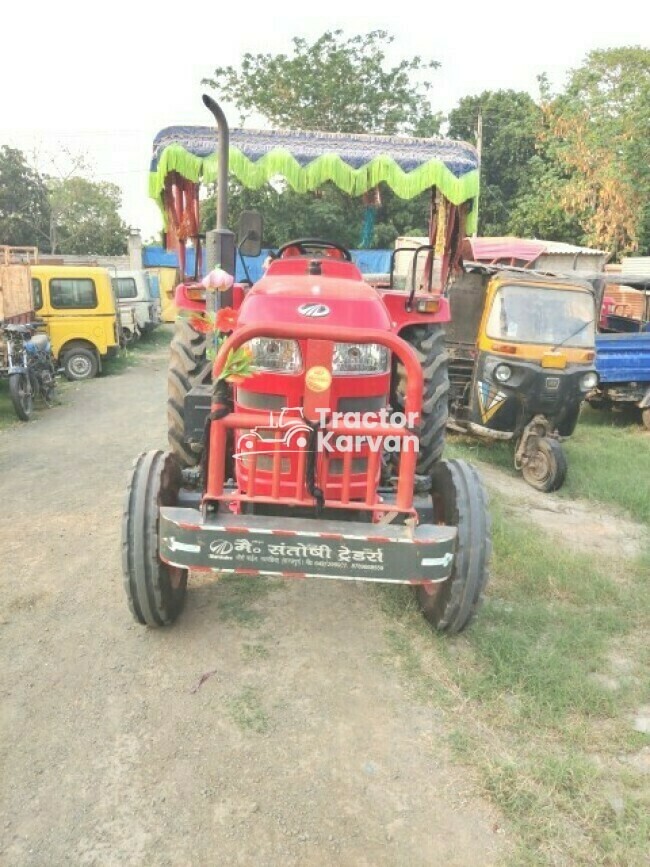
260 400
362 404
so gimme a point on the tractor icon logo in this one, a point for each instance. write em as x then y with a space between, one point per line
294 437
315 311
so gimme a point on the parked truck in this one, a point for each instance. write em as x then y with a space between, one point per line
623 347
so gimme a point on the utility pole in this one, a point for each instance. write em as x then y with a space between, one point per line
479 148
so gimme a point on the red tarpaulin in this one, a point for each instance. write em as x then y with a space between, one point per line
507 251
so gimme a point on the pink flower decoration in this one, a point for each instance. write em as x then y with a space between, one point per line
218 279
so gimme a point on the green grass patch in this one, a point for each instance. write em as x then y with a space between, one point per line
608 457
254 652
133 354
241 599
609 461
246 711
531 699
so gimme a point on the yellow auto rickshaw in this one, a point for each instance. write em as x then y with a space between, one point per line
522 360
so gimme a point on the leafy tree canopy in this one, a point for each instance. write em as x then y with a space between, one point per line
598 135
335 84
24 203
510 122
327 214
86 218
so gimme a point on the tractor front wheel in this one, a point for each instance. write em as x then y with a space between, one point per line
188 366
155 590
428 341
459 500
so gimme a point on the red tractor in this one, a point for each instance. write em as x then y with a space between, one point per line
298 450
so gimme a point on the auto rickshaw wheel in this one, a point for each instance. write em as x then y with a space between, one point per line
20 390
188 366
459 499
428 341
155 590
545 466
645 417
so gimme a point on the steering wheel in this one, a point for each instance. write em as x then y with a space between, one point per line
310 246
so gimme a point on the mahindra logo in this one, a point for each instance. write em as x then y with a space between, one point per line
314 310
220 548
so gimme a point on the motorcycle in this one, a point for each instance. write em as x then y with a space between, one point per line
29 366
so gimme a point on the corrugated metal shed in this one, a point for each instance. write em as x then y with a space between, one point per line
572 249
535 253
636 265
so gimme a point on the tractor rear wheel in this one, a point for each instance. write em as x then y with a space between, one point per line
459 500
428 341
155 591
188 366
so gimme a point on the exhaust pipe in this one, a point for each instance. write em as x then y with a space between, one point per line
220 244
223 151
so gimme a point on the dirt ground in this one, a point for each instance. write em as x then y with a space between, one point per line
300 747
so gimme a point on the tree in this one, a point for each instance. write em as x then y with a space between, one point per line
335 84
86 218
538 212
510 126
327 213
24 204
599 137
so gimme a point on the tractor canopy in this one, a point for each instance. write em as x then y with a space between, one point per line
185 156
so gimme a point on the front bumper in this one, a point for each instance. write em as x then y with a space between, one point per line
261 545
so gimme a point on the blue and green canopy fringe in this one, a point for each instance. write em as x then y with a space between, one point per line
306 160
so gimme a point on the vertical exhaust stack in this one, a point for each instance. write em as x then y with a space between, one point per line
220 243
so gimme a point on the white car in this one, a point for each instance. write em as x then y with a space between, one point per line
138 290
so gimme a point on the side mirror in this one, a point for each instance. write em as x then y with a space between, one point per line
249 235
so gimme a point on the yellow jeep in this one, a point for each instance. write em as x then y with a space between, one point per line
78 307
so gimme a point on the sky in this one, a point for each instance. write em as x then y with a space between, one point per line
102 79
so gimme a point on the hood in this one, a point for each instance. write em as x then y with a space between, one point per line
307 298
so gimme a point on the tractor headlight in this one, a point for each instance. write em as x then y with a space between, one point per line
282 356
502 372
589 381
360 358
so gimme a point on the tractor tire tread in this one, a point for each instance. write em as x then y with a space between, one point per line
428 341
188 366
142 571
470 573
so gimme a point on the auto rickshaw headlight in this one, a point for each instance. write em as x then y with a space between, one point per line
502 372
589 381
